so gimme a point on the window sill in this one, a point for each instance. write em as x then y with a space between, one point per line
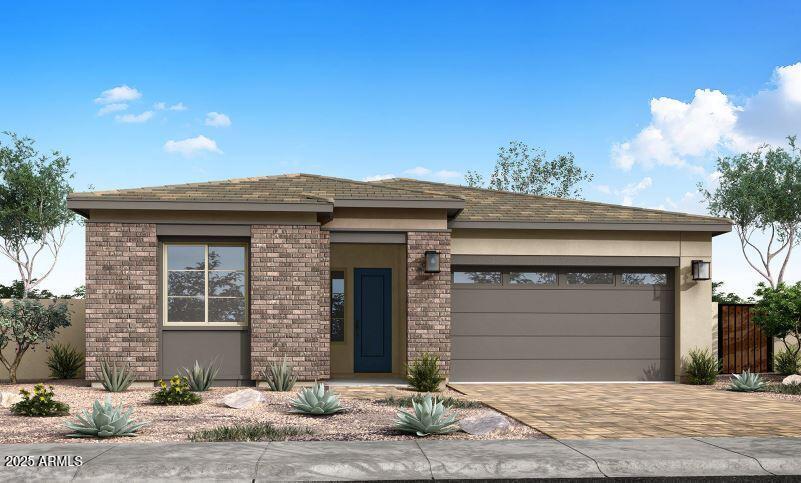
174 326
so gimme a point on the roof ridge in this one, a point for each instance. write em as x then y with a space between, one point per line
374 184
528 195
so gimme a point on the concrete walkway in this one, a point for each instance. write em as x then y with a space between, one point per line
408 460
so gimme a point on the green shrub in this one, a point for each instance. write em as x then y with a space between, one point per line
115 379
280 377
64 361
787 362
316 401
105 421
176 393
200 378
429 417
39 404
794 389
701 367
746 382
424 374
448 402
248 431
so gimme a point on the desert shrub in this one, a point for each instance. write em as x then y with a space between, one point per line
64 361
448 402
105 421
200 377
787 362
316 401
794 389
424 374
746 382
280 377
40 403
115 379
701 367
248 431
428 417
175 393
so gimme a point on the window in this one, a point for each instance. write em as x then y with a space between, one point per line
205 283
479 277
337 306
532 278
644 278
590 278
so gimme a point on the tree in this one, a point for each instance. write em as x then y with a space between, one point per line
719 296
16 290
33 207
778 313
27 323
760 192
524 169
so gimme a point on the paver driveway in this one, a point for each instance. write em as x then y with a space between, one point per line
592 411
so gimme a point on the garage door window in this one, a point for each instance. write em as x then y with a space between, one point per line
532 278
644 278
478 277
590 278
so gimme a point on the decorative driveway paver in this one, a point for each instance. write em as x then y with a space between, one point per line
616 411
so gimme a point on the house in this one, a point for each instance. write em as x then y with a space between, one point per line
344 278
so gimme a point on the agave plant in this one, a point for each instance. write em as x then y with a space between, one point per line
316 401
105 421
115 379
199 377
429 417
280 377
746 382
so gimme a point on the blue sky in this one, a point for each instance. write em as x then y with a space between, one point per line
364 89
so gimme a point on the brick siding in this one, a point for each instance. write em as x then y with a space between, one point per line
429 298
121 297
289 284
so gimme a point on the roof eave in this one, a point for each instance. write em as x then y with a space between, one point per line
81 205
714 228
416 203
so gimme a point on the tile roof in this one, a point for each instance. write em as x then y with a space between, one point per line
484 205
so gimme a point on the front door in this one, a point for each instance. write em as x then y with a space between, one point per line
372 320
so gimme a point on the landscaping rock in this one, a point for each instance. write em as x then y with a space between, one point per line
791 380
244 399
479 425
9 398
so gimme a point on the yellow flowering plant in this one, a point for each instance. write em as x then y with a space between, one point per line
176 393
40 403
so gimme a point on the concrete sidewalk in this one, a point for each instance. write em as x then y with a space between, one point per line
407 460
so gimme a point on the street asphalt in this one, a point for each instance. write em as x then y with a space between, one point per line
770 458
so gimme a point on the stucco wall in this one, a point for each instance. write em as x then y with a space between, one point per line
34 364
346 257
387 219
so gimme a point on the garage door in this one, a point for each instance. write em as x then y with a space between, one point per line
562 324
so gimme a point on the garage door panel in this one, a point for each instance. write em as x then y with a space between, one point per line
562 370
566 324
601 301
562 348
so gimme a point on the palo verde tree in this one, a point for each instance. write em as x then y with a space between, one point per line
523 169
33 208
760 192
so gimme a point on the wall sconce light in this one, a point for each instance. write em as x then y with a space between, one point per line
432 261
702 270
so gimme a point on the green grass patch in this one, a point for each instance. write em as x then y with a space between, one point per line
448 401
794 389
251 431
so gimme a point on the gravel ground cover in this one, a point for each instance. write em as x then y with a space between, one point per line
723 386
364 419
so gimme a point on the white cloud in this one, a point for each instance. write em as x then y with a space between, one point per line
604 188
379 177
631 190
418 171
162 106
684 134
134 118
447 174
118 94
109 108
192 146
217 119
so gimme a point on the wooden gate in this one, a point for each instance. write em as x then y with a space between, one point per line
741 344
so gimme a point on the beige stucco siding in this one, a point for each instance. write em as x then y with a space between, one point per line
695 322
387 219
347 257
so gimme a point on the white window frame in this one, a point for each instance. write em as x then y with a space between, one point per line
165 287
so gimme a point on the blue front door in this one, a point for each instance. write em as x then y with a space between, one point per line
372 320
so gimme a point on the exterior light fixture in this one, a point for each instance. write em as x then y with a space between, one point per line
702 270
432 262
